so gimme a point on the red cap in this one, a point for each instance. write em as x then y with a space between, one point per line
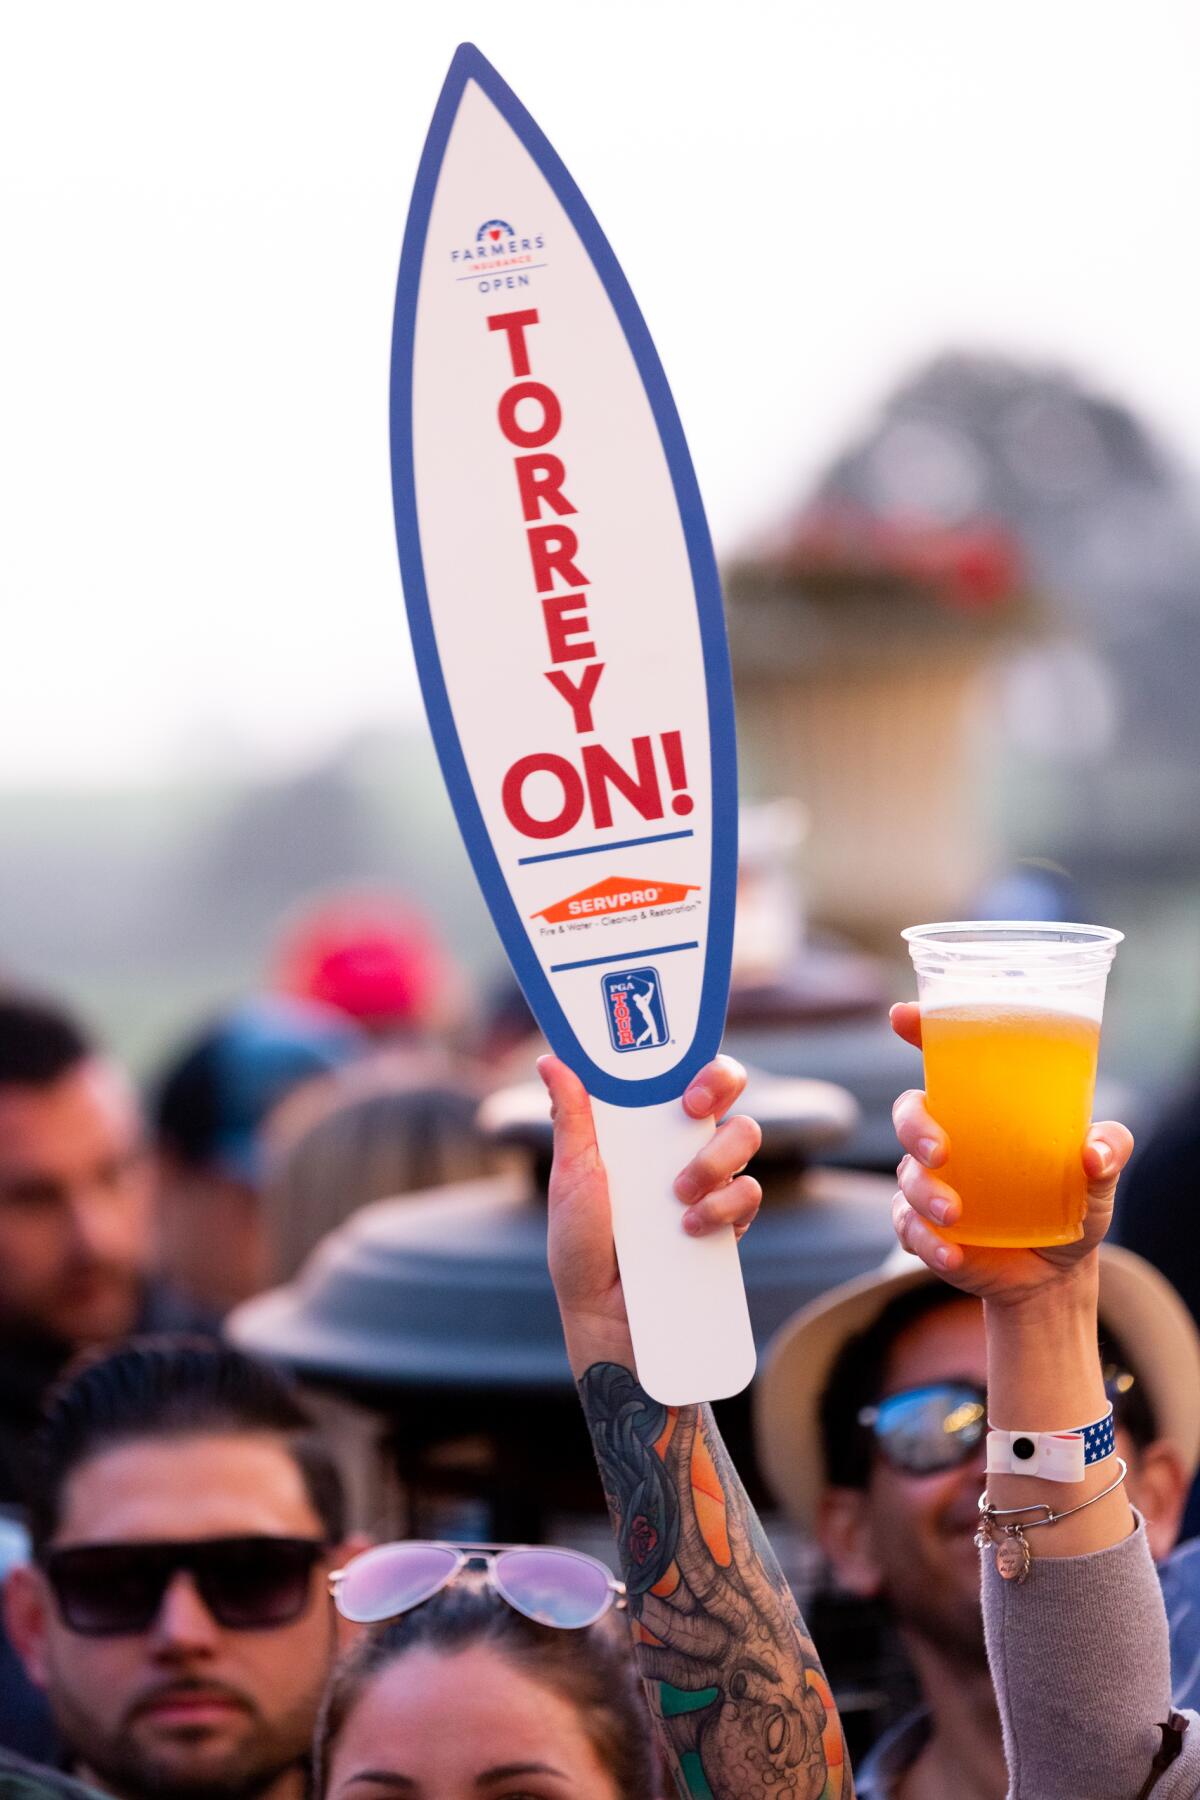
375 958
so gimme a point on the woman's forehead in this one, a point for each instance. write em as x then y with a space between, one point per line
447 1717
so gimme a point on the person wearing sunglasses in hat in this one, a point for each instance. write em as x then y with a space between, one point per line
184 1521
871 1416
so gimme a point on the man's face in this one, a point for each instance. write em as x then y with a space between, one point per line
921 1528
186 1707
910 1538
74 1205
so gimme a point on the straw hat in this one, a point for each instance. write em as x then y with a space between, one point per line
1155 1328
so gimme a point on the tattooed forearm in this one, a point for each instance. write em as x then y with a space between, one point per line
734 1681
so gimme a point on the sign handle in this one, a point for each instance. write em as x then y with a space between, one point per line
684 1295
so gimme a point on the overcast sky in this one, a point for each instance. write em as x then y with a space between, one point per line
201 208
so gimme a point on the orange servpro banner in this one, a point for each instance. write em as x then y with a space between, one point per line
616 895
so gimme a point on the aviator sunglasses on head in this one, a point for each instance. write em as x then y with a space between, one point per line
927 1430
247 1583
562 1588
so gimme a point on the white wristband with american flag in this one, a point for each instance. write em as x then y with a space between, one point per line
1051 1455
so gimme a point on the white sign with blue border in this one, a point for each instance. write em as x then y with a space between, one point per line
567 620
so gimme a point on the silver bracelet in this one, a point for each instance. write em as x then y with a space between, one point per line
1013 1558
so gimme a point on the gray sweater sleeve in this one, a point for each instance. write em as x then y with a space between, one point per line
1081 1664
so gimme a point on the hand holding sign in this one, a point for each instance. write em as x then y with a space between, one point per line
714 1190
566 617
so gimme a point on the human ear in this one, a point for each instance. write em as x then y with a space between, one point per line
25 1606
844 1533
1159 1491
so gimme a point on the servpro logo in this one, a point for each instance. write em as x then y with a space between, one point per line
616 895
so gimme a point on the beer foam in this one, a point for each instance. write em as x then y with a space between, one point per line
944 993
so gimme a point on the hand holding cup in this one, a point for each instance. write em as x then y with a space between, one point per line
925 1203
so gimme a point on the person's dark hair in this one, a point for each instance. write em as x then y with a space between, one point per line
163 1387
185 1108
592 1669
856 1380
39 1042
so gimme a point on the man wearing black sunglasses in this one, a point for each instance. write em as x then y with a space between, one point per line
871 1422
184 1524
76 1241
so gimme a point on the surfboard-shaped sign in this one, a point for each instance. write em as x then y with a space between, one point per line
567 620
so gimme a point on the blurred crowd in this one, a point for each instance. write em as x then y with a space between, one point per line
172 1506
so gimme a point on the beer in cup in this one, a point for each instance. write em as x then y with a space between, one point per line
1010 1024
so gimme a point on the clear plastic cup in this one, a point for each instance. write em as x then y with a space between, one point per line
1010 1025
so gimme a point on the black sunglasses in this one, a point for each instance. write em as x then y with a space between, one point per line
247 1583
927 1430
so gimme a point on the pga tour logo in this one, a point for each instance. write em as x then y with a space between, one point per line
633 1006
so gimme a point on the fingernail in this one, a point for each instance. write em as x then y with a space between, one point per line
928 1149
943 1210
693 1224
1103 1158
686 1186
944 1256
541 1071
699 1099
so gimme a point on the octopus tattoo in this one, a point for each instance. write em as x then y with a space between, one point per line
733 1679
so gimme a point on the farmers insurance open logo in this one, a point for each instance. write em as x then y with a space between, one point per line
633 1006
500 257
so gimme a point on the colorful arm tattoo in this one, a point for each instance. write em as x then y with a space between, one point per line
735 1685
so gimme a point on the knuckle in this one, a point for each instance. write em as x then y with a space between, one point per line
741 1137
745 1198
727 1076
705 1168
907 1226
726 1204
901 1104
751 1132
735 1201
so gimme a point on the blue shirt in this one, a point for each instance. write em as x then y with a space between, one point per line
880 1775
1180 1577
